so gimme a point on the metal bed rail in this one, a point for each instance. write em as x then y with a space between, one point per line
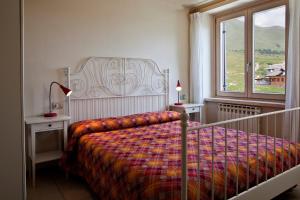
278 125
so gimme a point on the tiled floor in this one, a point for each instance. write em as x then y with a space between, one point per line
51 184
292 194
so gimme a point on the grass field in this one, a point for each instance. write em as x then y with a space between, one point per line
235 71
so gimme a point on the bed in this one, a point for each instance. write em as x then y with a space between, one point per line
126 145
139 157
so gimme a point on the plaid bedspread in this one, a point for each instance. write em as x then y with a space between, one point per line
139 157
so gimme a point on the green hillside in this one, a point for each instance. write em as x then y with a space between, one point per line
265 37
269 49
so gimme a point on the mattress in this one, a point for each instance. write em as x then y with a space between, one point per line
139 157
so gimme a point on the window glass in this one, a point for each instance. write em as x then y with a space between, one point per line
232 55
269 68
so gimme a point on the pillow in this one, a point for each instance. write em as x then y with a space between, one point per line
78 129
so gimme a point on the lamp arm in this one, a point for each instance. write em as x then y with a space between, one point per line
50 106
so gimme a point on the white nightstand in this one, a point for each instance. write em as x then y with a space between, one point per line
194 109
38 124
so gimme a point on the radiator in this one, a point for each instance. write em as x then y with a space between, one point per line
233 111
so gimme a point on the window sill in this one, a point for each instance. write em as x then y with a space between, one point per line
252 102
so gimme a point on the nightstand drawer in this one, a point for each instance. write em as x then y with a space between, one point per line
192 109
48 126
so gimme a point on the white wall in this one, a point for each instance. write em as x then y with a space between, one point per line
60 33
11 145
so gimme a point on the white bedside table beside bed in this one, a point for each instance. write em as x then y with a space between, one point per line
41 125
192 109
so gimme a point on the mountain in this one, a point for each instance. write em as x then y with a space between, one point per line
265 37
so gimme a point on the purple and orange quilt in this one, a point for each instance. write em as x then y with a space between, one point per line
139 157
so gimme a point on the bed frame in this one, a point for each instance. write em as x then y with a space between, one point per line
110 86
113 86
271 187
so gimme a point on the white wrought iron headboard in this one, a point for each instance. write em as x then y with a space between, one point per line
111 86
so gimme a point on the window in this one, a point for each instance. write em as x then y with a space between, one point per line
251 52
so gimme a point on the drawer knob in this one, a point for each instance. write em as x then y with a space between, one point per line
49 125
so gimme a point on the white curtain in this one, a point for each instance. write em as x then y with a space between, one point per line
293 69
200 59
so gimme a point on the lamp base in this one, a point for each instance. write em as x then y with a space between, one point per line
178 104
51 114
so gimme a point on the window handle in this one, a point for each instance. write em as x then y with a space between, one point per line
248 65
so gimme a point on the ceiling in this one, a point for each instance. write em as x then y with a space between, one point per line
192 3
185 3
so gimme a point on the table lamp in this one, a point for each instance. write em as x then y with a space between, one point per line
178 89
66 91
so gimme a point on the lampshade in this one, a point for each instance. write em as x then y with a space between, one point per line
67 91
178 87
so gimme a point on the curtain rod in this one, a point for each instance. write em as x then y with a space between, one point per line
210 5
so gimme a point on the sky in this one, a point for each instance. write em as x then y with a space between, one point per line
269 18
272 17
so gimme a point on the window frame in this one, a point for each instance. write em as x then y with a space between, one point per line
218 52
247 12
